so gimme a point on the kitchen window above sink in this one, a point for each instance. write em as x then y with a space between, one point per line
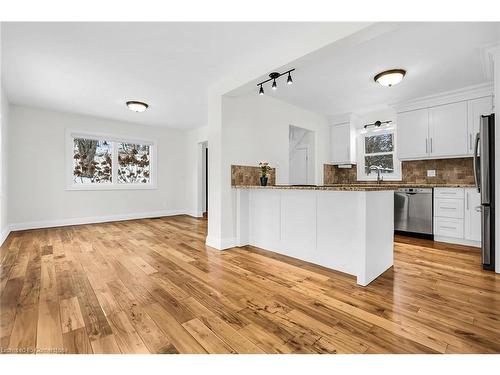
377 151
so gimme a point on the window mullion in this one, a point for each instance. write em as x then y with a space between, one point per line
114 162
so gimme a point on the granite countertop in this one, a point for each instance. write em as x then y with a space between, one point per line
353 187
406 185
321 187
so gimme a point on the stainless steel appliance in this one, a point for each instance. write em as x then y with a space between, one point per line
413 212
484 173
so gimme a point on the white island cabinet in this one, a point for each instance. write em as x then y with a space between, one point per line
345 230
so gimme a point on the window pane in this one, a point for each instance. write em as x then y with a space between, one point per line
378 143
91 161
384 161
133 163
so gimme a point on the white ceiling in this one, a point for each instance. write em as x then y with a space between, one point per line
338 79
93 68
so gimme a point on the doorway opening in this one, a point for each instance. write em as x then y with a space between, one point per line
204 180
301 156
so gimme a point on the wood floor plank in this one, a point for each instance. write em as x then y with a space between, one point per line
206 337
151 335
126 336
77 342
23 336
49 333
177 334
71 314
105 345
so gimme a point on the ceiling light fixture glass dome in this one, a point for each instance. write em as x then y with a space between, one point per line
390 78
137 106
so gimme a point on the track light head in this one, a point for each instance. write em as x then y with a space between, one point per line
289 79
261 90
274 86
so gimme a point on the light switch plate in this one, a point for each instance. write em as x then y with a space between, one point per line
431 173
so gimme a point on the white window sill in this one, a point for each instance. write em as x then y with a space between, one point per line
111 187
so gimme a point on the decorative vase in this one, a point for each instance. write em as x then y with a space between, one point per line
263 181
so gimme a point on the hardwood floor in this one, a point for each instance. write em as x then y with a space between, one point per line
152 286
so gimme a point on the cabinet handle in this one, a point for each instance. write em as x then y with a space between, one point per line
426 147
431 145
467 200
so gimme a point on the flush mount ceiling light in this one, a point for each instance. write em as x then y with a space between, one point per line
273 77
390 77
137 106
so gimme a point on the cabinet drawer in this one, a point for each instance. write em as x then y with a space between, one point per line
453 208
449 193
448 227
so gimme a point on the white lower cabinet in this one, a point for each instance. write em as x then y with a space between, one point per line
448 227
455 217
472 228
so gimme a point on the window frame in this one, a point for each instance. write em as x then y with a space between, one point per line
361 174
114 139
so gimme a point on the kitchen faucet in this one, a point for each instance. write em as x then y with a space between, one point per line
379 169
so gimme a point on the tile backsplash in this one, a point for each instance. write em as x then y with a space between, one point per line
448 171
249 175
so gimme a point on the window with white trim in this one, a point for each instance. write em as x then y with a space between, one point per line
377 150
106 162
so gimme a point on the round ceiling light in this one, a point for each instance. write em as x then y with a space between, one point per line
137 106
390 77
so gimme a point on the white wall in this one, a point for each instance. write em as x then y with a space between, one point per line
4 118
194 170
36 175
256 128
220 225
496 83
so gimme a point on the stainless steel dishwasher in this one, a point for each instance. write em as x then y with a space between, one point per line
413 212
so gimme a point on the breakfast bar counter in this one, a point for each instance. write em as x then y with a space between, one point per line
348 229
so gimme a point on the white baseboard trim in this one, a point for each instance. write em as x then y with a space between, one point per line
4 234
458 241
221 243
194 213
94 219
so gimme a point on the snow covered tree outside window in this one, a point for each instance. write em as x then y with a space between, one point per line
133 163
376 149
379 150
92 162
107 162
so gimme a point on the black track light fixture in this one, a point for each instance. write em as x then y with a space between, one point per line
377 124
273 77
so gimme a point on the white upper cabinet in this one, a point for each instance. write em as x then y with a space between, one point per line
477 108
343 144
448 130
412 133
441 131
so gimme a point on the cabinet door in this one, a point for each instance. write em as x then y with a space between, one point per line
340 143
477 108
472 216
412 132
448 130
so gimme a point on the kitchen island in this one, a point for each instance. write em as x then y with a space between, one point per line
346 228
